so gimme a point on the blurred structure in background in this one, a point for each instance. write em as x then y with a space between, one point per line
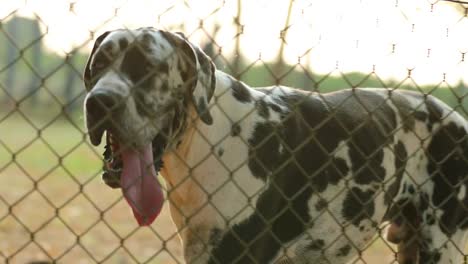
22 49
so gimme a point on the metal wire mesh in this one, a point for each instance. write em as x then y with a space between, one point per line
54 206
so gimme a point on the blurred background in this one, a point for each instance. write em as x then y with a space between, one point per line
53 204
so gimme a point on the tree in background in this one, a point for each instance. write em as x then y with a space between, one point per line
23 45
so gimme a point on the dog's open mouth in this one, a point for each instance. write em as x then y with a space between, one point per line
135 171
112 162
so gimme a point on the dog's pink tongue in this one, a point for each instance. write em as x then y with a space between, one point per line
140 187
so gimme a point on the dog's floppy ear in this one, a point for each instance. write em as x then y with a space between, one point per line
200 73
87 70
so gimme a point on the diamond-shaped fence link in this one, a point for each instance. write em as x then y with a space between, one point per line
336 173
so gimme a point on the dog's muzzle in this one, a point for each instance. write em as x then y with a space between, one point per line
101 108
131 169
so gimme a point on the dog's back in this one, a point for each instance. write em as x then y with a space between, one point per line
363 156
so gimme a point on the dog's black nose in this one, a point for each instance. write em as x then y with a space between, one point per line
100 105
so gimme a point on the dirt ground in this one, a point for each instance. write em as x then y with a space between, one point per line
76 233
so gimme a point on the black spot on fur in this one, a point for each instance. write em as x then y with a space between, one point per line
321 204
420 115
316 244
358 205
220 152
448 168
204 111
404 189
429 257
263 154
136 66
262 109
204 61
141 70
275 108
143 108
165 86
215 236
343 251
163 67
434 109
148 39
235 130
423 201
123 44
240 92
430 220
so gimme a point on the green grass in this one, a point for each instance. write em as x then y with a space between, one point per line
40 146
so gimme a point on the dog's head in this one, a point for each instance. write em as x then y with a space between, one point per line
140 85
140 79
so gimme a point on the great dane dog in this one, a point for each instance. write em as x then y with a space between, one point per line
275 174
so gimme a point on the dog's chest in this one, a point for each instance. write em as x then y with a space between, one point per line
223 168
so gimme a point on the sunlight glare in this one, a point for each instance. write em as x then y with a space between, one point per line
329 35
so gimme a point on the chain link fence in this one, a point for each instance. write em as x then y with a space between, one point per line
54 206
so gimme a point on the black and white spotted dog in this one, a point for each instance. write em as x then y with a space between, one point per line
275 175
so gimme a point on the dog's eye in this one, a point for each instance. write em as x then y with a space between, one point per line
102 61
98 66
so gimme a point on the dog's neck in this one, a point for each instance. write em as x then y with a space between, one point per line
222 100
199 146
